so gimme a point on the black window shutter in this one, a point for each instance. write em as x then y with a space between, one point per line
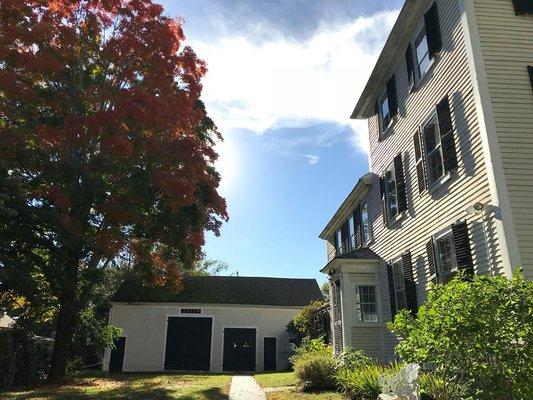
431 20
400 183
420 164
530 70
392 294
336 243
410 65
447 138
461 242
523 7
345 236
430 248
410 286
392 96
383 204
357 227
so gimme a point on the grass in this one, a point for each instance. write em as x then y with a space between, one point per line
131 387
281 379
293 394
276 379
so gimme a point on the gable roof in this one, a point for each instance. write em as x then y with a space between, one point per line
226 290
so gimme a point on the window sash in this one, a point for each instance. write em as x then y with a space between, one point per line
384 116
422 58
399 285
446 258
365 223
391 194
366 303
351 232
434 153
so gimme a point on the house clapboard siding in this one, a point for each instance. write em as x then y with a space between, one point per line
507 49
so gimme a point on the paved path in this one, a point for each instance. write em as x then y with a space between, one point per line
244 387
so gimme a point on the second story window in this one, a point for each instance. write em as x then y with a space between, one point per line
387 106
391 200
433 150
351 232
365 223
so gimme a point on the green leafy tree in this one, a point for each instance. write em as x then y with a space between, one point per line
477 333
106 153
309 321
325 291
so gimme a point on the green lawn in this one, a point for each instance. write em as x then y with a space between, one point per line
131 387
276 379
294 394
281 379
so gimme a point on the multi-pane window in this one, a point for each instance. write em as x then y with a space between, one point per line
391 198
423 61
446 260
399 285
338 236
384 111
351 232
433 150
365 223
366 309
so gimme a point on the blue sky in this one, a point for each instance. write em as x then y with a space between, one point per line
283 79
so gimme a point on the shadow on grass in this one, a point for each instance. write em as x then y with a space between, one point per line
126 387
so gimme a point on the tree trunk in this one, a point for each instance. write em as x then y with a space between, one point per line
65 325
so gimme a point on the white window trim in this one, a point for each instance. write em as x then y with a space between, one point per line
395 261
438 267
356 303
435 185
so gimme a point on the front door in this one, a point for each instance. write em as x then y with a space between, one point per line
269 354
239 349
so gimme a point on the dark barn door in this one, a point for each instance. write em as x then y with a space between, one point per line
239 349
188 344
269 354
116 360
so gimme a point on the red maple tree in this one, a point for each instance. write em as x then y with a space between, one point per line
106 148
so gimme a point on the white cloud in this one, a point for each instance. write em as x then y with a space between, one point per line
286 84
311 159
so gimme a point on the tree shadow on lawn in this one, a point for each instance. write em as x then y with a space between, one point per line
123 387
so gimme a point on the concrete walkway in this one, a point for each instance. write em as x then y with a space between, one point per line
244 387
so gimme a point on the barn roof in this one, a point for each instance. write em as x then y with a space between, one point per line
226 290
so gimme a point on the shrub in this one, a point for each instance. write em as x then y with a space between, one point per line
308 346
435 387
7 360
478 333
310 320
316 371
362 383
351 358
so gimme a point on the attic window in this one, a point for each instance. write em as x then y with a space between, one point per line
191 311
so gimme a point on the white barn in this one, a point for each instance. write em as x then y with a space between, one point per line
213 324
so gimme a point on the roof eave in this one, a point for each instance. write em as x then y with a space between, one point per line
385 63
363 183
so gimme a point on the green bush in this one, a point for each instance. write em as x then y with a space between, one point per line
7 359
362 383
434 387
316 371
477 333
351 358
310 346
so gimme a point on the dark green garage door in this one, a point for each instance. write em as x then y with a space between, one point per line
188 344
